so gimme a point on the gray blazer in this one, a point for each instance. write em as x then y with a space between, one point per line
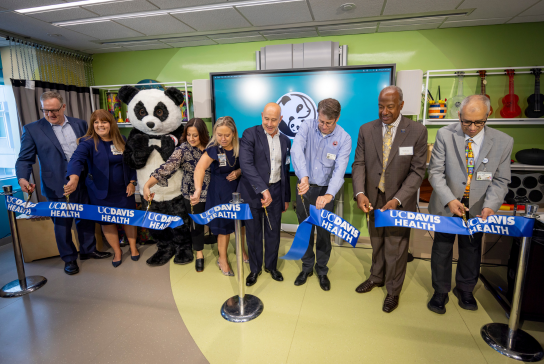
448 170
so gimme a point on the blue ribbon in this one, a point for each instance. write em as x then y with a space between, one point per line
328 221
495 224
114 215
225 211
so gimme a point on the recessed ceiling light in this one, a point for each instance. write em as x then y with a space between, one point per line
347 6
74 4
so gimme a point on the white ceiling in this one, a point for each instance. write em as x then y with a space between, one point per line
249 22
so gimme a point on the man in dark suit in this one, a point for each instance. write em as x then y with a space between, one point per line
387 171
265 161
53 139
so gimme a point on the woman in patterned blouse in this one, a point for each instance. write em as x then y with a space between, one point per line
186 156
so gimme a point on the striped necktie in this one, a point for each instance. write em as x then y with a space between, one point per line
470 166
386 148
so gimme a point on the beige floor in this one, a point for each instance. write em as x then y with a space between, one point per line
307 325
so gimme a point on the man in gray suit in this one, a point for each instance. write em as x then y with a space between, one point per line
387 171
469 172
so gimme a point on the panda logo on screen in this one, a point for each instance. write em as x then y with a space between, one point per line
295 108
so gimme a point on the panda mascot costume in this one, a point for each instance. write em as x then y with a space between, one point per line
156 118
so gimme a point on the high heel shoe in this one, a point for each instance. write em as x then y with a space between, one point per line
228 274
135 257
199 264
116 264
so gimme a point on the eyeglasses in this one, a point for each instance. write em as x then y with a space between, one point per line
45 111
329 123
476 123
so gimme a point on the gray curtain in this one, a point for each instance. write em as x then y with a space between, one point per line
27 96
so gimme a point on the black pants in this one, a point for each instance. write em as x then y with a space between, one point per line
468 265
254 233
197 231
323 243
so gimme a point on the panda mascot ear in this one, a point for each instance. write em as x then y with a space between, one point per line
175 95
127 93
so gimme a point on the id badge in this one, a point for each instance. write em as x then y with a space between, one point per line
114 150
288 160
331 156
222 160
406 150
484 176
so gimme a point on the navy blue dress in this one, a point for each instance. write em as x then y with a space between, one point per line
220 188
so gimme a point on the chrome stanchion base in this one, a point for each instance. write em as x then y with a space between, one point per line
13 289
251 308
524 347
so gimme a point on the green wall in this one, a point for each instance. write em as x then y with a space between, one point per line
470 47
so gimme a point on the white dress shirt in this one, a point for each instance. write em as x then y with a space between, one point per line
478 141
274 146
66 137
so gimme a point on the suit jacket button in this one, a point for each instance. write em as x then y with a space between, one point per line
464 183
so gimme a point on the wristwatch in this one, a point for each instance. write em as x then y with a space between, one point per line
134 183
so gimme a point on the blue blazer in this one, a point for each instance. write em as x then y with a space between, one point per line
98 177
39 140
255 165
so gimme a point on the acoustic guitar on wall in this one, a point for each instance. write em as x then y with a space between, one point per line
510 107
535 108
483 84
454 103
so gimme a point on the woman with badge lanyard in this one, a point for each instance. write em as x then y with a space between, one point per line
221 156
194 139
109 181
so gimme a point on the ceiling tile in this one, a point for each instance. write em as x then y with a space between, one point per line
414 21
63 14
487 9
214 20
24 4
472 23
401 28
144 47
276 14
527 19
291 33
331 10
395 7
156 25
105 30
195 43
326 33
121 7
537 9
172 4
106 50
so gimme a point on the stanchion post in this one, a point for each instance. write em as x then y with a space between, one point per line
510 340
23 285
242 307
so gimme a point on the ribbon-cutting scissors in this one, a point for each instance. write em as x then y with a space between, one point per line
31 191
67 200
192 213
149 204
266 212
303 204
464 217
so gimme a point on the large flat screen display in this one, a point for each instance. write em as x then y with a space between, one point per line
243 95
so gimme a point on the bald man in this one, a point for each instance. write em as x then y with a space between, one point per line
387 171
265 161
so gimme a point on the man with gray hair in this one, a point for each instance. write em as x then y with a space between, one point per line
387 171
53 139
469 172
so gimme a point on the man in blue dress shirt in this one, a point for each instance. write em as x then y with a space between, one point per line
53 139
320 156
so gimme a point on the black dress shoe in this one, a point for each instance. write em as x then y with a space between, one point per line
71 268
184 256
199 265
438 302
302 277
95 255
466 299
275 274
367 286
324 282
252 278
161 257
390 303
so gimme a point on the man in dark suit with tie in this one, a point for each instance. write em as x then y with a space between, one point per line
53 139
264 185
387 171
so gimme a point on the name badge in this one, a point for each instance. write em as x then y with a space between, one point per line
331 156
222 160
484 176
406 150
288 159
114 150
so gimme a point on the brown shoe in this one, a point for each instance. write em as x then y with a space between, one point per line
367 286
390 303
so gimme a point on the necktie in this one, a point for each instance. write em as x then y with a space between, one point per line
386 148
470 166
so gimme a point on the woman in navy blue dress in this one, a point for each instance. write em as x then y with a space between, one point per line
221 156
110 182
